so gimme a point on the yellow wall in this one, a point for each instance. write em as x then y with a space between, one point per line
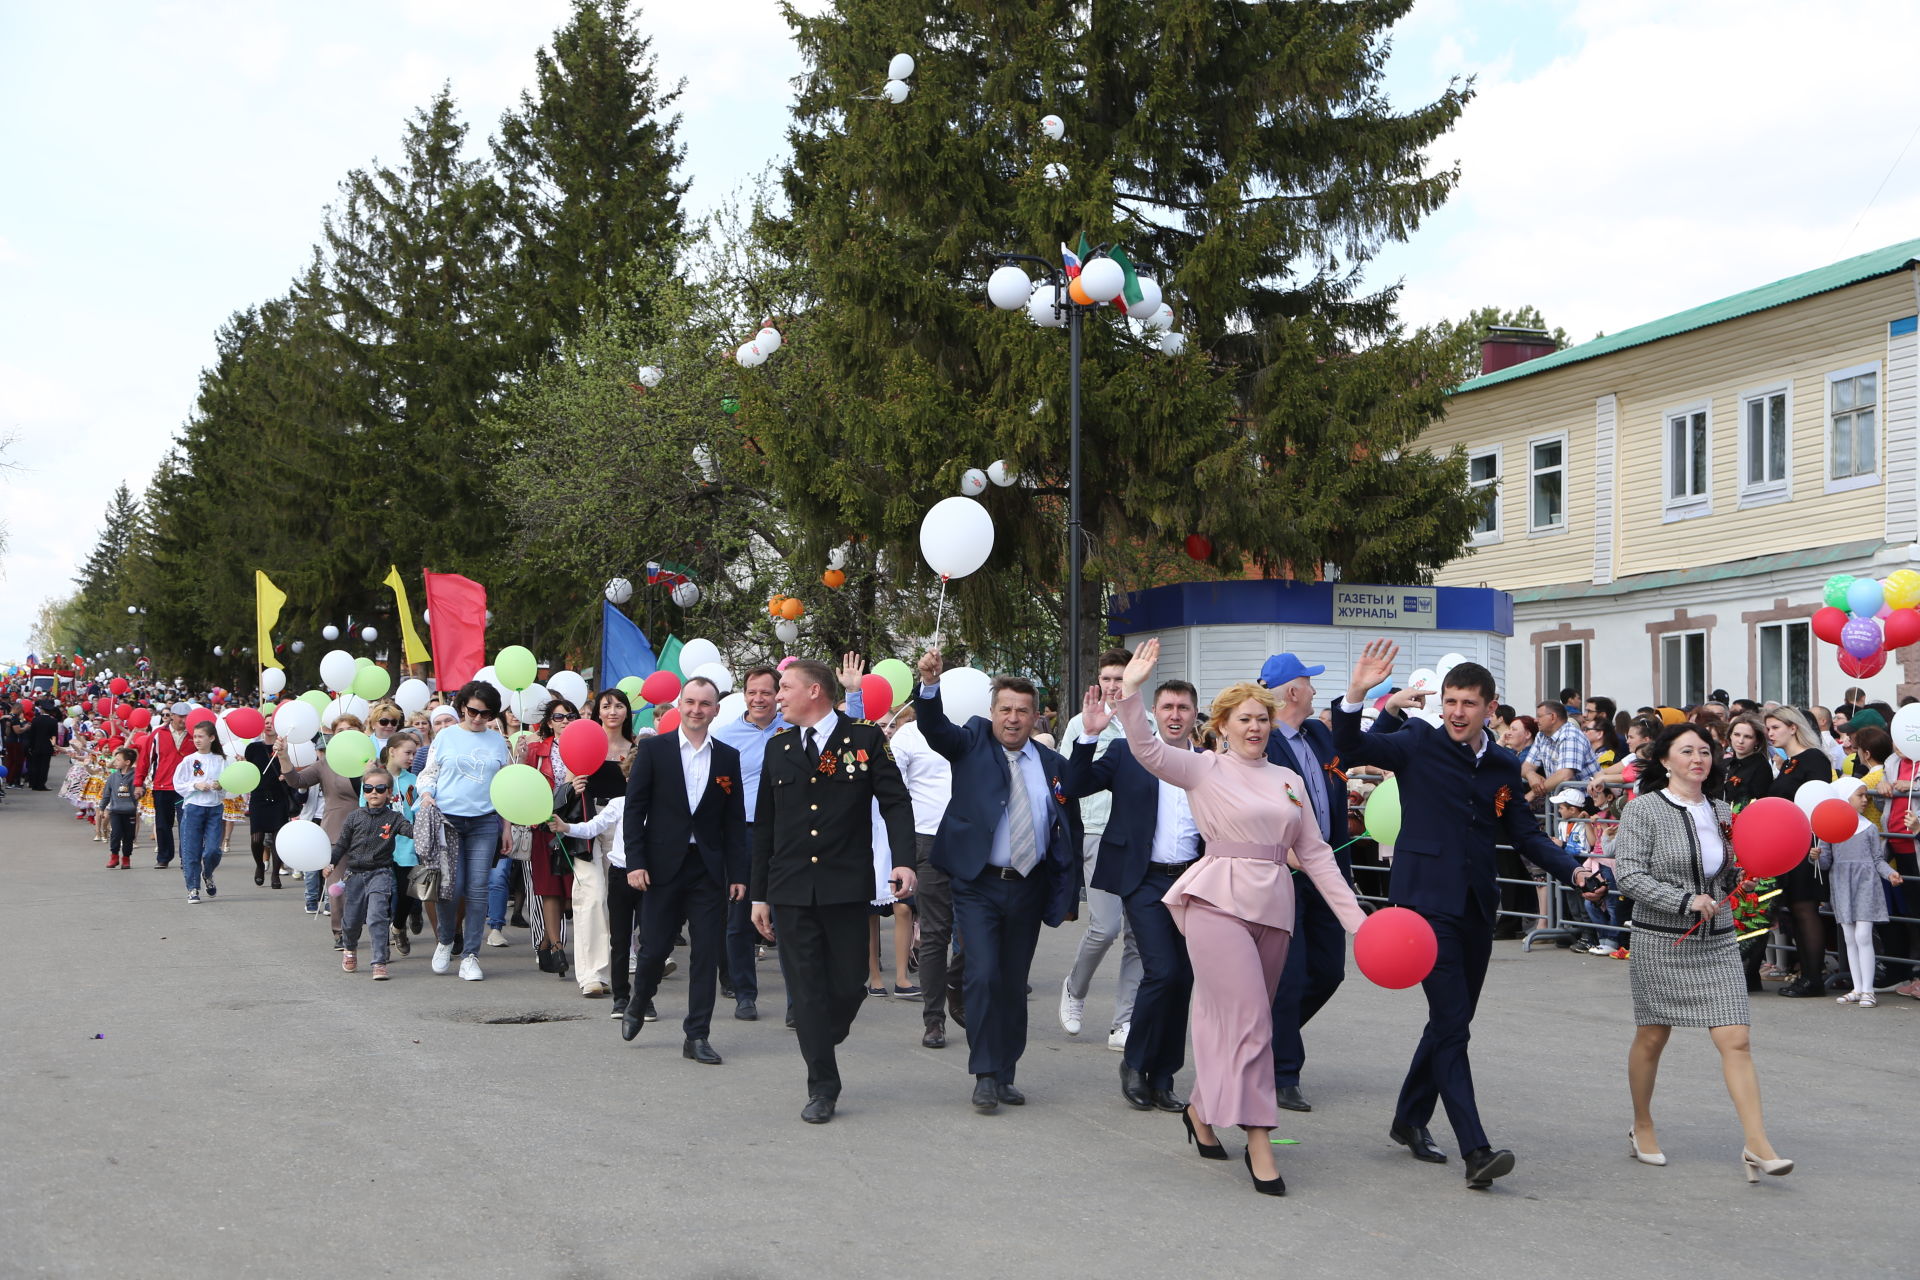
1801 342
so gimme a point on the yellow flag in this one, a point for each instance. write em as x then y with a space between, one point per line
266 609
409 638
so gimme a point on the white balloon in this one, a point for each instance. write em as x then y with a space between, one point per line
412 695
531 702
685 594
337 669
572 686
1054 127
298 646
619 591
303 846
649 375
1149 304
769 341
900 66
347 704
973 482
703 459
1424 678
218 652
956 537
837 558
426 616
1810 793
748 355
1002 473
697 654
486 673
1056 174
369 635
329 632
896 91
732 707
272 681
965 693
1449 662
787 629
1103 279
296 722
1173 343
1906 731
1162 319
1041 309
1008 287
302 754
716 672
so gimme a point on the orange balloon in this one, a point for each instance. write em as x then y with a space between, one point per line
773 606
1079 294
791 609
834 578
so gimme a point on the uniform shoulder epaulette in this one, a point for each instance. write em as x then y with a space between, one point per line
785 728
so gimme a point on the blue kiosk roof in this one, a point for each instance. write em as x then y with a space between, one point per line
1274 600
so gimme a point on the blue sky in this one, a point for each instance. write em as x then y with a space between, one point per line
168 163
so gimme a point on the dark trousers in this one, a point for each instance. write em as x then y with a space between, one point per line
166 807
1316 966
1001 921
37 762
933 898
623 917
1440 1071
742 937
1157 1042
120 833
688 899
823 952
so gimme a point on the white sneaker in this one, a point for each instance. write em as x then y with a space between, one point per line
470 969
1117 1038
495 938
442 957
1599 949
1071 1008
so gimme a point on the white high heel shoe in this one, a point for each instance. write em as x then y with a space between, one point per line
1755 1166
1644 1157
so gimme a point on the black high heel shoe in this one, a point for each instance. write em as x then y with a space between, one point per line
1274 1186
1208 1151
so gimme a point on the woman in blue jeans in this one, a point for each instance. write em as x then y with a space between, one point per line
197 781
458 782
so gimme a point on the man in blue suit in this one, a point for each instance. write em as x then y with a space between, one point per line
1010 845
1149 841
1468 794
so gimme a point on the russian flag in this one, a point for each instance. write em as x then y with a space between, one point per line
1070 260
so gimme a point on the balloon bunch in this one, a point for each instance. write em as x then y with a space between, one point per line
1101 281
973 482
899 69
681 588
1867 619
754 353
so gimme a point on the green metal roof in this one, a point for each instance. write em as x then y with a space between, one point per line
1805 285
1805 558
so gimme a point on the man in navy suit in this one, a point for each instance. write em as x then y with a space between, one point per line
1466 793
685 830
1149 841
1010 844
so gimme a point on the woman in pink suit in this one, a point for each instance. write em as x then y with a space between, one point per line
1235 905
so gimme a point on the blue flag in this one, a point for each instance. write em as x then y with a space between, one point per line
624 650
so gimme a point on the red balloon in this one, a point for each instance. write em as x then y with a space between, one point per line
141 718
123 712
1861 668
118 685
246 722
659 689
1395 948
667 723
199 715
103 706
1902 628
1834 820
1199 547
583 747
1771 836
876 696
1827 623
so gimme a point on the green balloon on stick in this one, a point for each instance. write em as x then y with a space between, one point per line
349 752
515 666
631 685
317 700
521 794
1383 812
899 675
239 778
372 682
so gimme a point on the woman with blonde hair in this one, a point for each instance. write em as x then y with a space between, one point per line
1791 733
1234 905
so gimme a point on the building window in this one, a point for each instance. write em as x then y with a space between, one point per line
1683 669
1483 473
1853 426
1562 666
1547 487
1688 459
1786 663
1764 448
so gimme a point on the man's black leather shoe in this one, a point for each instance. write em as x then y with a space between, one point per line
1419 1142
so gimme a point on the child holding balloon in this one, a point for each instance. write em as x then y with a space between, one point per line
1853 866
196 779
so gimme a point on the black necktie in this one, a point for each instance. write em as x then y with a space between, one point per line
813 748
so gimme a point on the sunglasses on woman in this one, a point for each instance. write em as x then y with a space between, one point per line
483 712
387 724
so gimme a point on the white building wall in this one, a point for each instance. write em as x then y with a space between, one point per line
1213 657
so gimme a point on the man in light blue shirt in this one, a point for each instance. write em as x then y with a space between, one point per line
749 736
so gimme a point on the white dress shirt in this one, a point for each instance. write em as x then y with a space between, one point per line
928 775
696 762
1038 798
1175 838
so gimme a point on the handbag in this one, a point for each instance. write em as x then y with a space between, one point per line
423 882
519 843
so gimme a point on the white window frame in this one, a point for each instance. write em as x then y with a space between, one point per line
1843 484
1496 534
1566 489
1550 686
1764 492
1784 689
1666 668
1685 506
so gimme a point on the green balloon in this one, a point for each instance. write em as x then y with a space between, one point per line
317 700
239 778
1837 587
362 663
515 666
631 685
349 752
1383 812
521 794
899 675
372 682
729 406
643 717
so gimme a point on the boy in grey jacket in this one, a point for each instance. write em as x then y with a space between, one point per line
123 809
364 854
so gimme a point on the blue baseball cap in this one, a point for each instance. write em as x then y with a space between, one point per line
1282 667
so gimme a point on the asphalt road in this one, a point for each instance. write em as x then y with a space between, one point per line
199 1091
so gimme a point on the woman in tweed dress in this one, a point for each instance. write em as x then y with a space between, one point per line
1675 860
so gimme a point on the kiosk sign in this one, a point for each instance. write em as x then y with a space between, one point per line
1385 607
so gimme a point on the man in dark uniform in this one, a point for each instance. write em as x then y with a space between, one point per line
813 862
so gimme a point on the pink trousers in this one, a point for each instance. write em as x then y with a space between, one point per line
1236 969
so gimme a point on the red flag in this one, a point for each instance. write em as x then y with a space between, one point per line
458 626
